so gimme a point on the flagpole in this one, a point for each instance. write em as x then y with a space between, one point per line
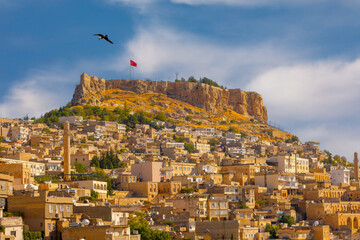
130 71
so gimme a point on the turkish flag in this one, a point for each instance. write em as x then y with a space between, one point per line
132 63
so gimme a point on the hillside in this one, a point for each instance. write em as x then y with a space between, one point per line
210 98
92 100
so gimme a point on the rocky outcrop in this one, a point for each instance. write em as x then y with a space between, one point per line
201 95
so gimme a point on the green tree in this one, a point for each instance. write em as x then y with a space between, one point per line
109 160
189 147
94 195
287 219
80 167
138 222
272 230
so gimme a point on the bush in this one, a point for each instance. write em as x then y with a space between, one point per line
243 206
188 190
188 118
32 235
80 167
160 116
232 129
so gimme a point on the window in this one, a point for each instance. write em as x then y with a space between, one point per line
67 208
13 233
2 186
61 208
51 208
56 209
49 226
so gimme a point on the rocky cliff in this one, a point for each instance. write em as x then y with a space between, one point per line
201 95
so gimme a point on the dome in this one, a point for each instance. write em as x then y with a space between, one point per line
85 222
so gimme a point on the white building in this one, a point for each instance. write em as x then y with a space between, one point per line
276 180
291 164
202 147
341 175
175 145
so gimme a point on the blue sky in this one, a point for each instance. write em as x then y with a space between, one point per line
301 55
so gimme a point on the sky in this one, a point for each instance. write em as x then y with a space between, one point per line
302 56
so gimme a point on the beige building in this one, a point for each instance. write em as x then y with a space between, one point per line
291 164
202 147
196 206
147 171
71 119
144 189
97 186
182 168
42 210
36 168
82 157
276 180
6 187
13 226
218 207
20 172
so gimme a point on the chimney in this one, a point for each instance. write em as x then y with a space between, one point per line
67 165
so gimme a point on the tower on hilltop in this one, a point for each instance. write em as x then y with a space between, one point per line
67 165
356 166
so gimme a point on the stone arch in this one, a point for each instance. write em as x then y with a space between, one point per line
356 223
349 222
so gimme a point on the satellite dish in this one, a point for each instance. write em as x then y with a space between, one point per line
316 223
85 222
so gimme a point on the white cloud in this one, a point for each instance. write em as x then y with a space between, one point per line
161 52
300 95
315 90
319 100
39 92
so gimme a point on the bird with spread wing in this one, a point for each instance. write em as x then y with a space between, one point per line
101 36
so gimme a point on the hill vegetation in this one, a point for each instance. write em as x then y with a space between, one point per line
201 80
130 108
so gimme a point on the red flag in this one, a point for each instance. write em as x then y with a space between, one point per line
132 63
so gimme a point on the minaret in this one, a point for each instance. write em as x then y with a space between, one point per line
66 140
356 166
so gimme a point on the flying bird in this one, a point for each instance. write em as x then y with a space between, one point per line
103 37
